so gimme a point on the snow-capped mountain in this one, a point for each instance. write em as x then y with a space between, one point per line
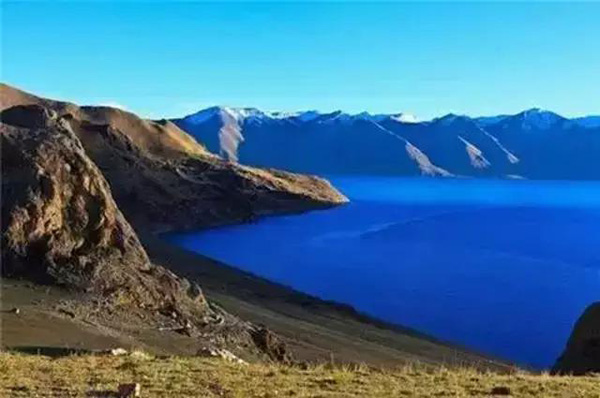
256 115
537 119
531 144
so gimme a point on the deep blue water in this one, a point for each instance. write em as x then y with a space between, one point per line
503 267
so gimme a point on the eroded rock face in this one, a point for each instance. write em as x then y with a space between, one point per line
162 179
61 167
271 344
61 224
159 194
582 354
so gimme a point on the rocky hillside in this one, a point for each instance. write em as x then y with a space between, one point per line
62 226
61 166
163 179
582 354
533 144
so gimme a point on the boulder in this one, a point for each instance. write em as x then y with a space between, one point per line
129 390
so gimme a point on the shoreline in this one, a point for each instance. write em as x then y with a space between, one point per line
261 301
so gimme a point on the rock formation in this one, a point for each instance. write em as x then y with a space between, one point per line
162 179
62 226
582 353
61 167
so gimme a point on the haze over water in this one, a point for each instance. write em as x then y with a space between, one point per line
500 266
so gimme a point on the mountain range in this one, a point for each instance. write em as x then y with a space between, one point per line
85 189
533 144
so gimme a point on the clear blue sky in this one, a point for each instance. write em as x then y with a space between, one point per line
165 59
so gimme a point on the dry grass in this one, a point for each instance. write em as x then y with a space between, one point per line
97 375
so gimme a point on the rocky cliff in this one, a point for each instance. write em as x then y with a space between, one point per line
62 226
163 179
61 166
582 353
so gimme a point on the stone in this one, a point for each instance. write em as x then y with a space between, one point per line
117 351
213 352
271 344
500 390
195 292
137 354
129 390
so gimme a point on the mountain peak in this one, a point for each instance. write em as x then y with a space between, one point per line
203 115
307 116
450 118
404 118
538 111
533 118
538 118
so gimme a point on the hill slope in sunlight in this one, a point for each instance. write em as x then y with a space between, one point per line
96 376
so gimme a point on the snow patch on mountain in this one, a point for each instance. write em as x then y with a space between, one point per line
425 165
245 115
475 155
404 118
529 119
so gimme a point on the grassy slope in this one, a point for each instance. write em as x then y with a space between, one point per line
84 376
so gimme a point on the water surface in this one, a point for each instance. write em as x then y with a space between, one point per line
503 267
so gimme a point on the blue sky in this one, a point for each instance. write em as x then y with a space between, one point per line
166 59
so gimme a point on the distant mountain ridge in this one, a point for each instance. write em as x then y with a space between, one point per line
533 144
248 114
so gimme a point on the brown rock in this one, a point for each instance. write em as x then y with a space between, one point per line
270 344
61 224
501 390
129 390
163 179
61 166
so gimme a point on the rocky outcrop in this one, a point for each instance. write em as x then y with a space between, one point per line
160 138
162 179
270 344
62 226
61 167
582 353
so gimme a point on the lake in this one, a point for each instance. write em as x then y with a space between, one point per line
504 267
